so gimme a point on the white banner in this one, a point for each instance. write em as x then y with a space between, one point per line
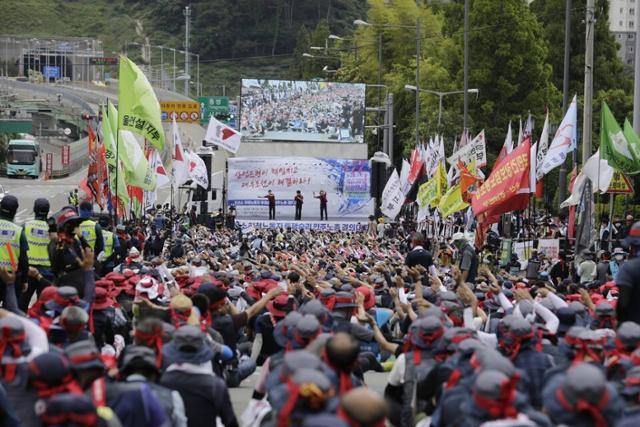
392 197
476 149
549 247
222 135
346 183
249 226
523 250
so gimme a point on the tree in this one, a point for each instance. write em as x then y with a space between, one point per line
610 81
508 64
398 67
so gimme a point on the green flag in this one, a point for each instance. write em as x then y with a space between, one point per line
614 145
138 105
110 150
632 138
132 159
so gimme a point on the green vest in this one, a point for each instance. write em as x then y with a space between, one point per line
107 236
9 233
88 231
38 239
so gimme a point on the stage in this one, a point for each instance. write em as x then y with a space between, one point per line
249 225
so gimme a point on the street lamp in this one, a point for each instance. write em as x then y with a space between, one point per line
440 95
416 27
327 70
334 37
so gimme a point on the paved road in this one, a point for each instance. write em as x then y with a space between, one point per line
240 396
27 191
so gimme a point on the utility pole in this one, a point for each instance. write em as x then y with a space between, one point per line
390 123
562 178
187 23
588 82
418 81
636 78
466 67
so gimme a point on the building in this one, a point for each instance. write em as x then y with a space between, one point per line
622 17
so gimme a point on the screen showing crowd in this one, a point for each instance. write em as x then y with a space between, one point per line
303 110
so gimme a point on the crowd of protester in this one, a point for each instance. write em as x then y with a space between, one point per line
304 107
151 324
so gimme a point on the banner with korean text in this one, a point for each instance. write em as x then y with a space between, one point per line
474 150
507 188
346 183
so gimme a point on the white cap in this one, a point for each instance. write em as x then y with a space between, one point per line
458 236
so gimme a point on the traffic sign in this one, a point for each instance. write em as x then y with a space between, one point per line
210 106
620 184
183 111
99 60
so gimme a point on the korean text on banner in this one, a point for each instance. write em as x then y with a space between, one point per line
138 106
222 135
504 190
476 149
392 197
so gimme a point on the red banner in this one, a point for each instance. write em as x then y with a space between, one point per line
65 155
49 165
507 188
417 163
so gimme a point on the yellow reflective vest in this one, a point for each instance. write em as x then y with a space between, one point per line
37 234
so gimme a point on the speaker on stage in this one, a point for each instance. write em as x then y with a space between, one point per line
377 178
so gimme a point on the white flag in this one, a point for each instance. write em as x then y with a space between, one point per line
180 167
404 177
564 140
508 141
197 169
543 147
441 156
155 163
392 197
595 169
220 134
520 136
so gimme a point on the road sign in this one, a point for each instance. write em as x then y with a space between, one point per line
99 60
620 184
212 106
51 72
183 111
64 156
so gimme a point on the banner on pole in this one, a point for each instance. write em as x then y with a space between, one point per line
474 150
64 155
49 165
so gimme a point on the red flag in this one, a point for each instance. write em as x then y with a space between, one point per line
507 188
417 166
92 186
572 209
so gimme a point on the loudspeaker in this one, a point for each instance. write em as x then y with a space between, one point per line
377 178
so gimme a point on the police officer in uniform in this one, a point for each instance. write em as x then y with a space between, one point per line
36 232
111 245
12 235
89 229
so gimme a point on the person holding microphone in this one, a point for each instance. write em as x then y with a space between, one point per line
323 205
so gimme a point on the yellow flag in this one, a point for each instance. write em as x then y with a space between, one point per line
441 184
138 106
452 202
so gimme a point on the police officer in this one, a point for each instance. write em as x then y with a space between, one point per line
89 229
11 235
36 232
111 245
